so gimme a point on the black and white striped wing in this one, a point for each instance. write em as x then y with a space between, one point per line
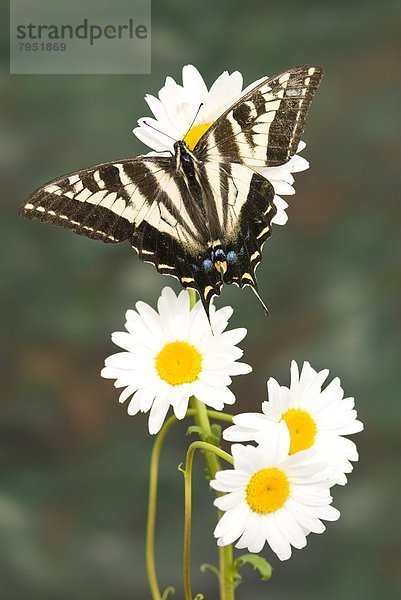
147 202
139 200
265 126
104 202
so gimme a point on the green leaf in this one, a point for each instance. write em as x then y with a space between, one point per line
167 592
196 429
206 567
213 439
259 564
216 434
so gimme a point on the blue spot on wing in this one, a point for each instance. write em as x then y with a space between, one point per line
207 265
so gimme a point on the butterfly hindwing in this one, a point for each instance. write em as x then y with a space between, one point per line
239 211
246 212
265 126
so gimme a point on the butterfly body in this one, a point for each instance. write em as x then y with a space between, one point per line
200 215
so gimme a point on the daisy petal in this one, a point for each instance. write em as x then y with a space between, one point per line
157 414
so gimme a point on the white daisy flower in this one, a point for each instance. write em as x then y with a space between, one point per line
176 108
272 497
316 419
173 354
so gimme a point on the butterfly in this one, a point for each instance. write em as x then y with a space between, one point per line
199 215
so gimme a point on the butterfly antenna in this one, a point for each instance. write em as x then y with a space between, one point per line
159 131
255 291
194 119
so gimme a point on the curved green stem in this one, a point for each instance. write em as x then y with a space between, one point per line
201 418
152 505
214 414
213 451
152 508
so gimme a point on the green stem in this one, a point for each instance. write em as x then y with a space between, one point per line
152 508
192 297
226 561
152 505
225 552
214 414
201 419
226 583
210 451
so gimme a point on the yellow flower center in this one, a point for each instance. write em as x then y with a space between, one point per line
267 490
178 363
195 133
302 429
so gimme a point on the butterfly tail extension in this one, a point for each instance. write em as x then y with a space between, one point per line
256 292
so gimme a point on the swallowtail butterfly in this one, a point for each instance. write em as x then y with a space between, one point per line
201 216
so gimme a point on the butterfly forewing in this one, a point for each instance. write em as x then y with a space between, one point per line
103 202
265 126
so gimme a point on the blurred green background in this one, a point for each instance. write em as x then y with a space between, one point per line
74 465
